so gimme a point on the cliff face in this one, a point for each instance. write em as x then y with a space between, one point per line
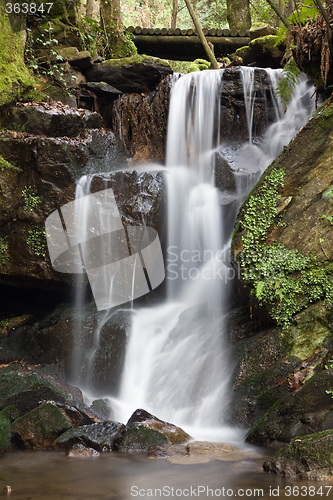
283 248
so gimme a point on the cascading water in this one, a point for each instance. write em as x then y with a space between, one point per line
176 362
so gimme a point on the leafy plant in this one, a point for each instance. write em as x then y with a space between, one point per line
329 218
286 84
37 240
31 199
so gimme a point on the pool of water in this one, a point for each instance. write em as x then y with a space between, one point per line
53 476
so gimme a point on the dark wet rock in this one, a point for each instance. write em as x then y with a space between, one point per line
102 408
307 410
100 436
272 363
103 88
141 122
132 74
262 52
224 176
51 120
233 124
39 428
309 457
51 340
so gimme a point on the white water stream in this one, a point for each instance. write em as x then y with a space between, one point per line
177 364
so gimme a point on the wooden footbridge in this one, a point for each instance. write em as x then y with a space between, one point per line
184 45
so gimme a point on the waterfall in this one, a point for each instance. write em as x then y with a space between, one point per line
177 363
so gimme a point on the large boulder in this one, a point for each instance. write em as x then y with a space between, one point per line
100 436
144 431
308 457
130 74
39 428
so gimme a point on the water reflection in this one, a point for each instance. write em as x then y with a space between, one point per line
52 476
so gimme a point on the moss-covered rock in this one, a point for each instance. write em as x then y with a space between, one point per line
265 51
310 457
307 410
15 80
138 73
39 428
284 270
140 439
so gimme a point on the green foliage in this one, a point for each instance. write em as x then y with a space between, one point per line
3 252
329 218
286 84
41 55
37 240
199 65
284 281
262 13
31 199
304 12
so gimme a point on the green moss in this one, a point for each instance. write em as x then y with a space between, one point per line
328 194
141 439
15 80
317 448
136 59
199 65
244 52
5 165
284 281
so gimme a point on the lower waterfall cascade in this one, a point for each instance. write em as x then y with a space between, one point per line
177 364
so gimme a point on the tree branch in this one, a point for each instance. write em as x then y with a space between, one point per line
203 40
278 13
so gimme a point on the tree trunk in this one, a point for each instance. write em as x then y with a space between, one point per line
238 14
203 40
92 9
278 13
110 13
174 14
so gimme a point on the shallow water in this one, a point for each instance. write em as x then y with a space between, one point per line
52 475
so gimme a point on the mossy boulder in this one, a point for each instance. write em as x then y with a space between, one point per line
144 431
25 388
309 457
272 362
281 242
264 51
306 410
39 428
137 74
140 440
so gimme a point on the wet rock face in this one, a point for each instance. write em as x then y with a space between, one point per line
233 124
308 457
141 122
53 339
